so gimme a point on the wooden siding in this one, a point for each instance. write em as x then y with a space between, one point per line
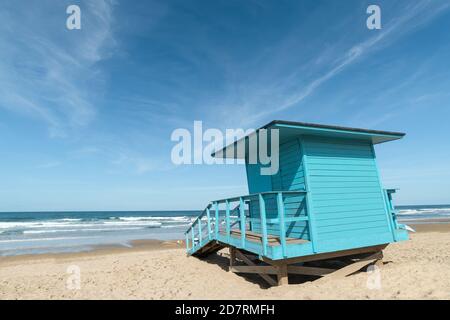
346 194
256 182
290 177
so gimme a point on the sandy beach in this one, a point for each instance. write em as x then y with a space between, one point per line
416 269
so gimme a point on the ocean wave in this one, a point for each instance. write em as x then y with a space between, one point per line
19 233
133 223
165 219
437 211
47 239
79 230
33 224
77 224
77 227
176 226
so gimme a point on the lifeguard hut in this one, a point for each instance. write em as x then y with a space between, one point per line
325 202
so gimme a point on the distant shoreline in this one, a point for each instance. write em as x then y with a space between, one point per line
193 211
71 232
135 246
419 221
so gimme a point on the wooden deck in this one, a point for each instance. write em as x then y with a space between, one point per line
258 238
270 241
272 236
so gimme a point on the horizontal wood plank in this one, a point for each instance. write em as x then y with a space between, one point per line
254 269
310 271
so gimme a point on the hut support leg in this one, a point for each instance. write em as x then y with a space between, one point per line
356 266
232 257
379 263
251 267
281 270
282 275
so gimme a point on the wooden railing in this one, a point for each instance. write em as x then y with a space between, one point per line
213 222
392 213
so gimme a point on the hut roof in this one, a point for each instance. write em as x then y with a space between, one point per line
290 129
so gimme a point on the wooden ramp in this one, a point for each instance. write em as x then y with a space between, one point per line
209 248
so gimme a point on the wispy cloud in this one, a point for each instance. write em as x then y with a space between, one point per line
84 151
139 164
290 90
47 71
49 165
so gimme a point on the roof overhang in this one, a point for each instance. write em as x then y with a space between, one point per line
290 129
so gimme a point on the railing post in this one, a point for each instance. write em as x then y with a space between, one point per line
199 230
216 224
242 218
389 215
227 220
262 212
187 241
208 216
280 204
391 205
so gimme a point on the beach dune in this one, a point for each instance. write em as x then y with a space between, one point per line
416 269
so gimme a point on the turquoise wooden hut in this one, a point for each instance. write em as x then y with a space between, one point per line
325 201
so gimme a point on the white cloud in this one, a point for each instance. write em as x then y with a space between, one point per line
139 164
290 90
48 72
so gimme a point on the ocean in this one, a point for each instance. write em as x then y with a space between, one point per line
53 232
423 213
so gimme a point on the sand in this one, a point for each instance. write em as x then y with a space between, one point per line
416 269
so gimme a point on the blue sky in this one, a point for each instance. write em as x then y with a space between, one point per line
86 115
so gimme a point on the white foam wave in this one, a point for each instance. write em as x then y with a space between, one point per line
74 225
47 239
177 226
66 224
439 211
133 223
78 230
40 224
164 219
